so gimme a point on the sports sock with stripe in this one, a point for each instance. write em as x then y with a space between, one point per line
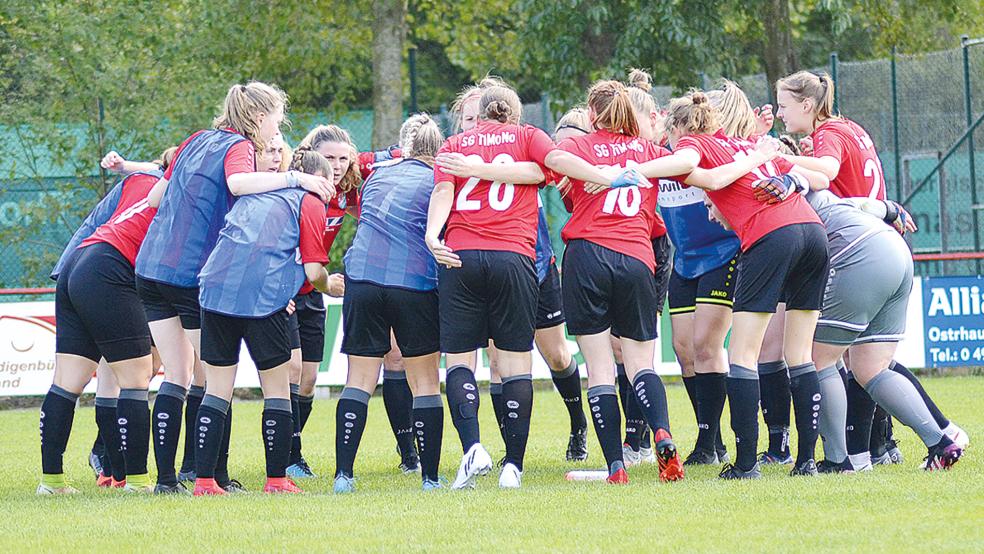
277 428
603 404
833 414
462 393
651 397
428 422
133 413
57 414
211 424
902 400
192 402
743 400
804 387
398 401
350 422
568 384
109 432
775 396
941 419
517 401
167 429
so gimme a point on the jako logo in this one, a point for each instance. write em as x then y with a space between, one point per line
955 301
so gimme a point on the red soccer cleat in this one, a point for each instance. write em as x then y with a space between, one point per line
208 487
104 481
118 484
620 477
670 467
276 485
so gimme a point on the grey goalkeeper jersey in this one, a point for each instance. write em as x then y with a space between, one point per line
847 226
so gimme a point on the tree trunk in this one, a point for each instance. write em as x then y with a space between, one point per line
388 34
780 60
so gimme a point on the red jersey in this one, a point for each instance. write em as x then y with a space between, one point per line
367 160
311 244
241 158
334 217
751 219
126 228
860 173
495 216
621 219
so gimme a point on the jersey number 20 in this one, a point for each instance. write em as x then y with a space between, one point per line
500 194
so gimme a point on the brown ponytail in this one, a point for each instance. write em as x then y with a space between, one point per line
613 108
692 114
818 87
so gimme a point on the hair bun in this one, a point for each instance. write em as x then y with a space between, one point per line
640 79
698 98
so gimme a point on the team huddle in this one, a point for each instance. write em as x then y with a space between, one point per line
791 247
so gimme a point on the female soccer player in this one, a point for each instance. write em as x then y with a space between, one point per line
798 274
90 328
270 242
549 336
211 169
391 288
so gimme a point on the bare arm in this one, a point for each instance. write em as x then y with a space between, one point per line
817 179
516 173
437 216
679 163
828 165
574 167
157 193
722 176
258 182
317 275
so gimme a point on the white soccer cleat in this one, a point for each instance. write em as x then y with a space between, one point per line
511 477
861 462
957 435
45 490
647 455
475 462
631 457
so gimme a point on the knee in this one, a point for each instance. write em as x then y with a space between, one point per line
557 358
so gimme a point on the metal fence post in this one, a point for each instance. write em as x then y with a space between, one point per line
412 62
833 77
895 129
965 45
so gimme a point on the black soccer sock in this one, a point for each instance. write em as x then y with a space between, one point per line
133 411
743 399
635 422
398 401
651 397
804 386
603 403
463 404
277 428
690 383
495 393
306 405
711 394
350 422
210 429
192 402
775 397
167 429
57 414
568 383
428 420
937 414
517 398
98 448
295 414
860 411
222 462
109 432
881 431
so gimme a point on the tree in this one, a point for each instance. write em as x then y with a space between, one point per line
388 35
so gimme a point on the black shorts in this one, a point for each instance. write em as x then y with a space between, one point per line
493 295
715 287
163 301
370 311
267 338
664 266
307 326
606 289
788 264
550 306
97 311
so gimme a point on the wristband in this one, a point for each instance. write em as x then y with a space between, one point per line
292 181
891 212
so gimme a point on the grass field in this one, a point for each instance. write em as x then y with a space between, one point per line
897 508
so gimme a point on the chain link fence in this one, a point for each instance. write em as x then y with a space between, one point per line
917 109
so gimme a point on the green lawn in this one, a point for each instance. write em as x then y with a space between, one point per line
896 508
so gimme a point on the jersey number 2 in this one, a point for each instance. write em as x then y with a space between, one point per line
500 194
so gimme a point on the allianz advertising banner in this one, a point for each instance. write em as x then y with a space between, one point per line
953 318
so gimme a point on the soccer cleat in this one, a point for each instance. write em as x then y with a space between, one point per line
408 469
344 484
733 472
177 489
618 477
722 454
233 487
631 457
46 490
187 476
893 452
410 463
96 464
942 457
511 477
670 467
208 487
104 481
701 458
827 466
117 484
475 462
577 446
861 461
278 485
807 469
300 470
957 435
139 489
429 485
647 455
769 458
